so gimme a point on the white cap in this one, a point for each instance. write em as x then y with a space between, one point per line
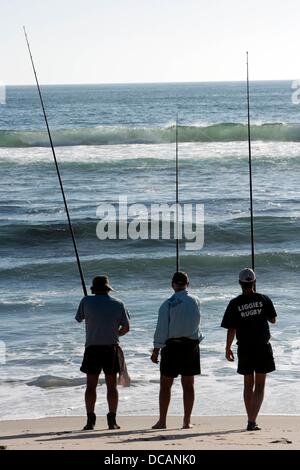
247 275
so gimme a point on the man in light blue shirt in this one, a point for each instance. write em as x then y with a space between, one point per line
177 336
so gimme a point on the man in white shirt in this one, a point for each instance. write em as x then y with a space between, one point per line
178 336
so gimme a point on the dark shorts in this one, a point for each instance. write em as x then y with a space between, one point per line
255 358
180 357
98 358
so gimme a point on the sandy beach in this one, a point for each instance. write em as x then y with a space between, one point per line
211 433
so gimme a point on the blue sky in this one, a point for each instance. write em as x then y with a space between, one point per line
114 41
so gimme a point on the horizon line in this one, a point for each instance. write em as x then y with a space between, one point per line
148 83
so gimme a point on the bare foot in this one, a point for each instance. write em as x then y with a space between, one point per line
187 426
159 425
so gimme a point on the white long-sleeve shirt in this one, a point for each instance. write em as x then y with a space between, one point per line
178 317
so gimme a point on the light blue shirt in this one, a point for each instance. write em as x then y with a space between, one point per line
178 317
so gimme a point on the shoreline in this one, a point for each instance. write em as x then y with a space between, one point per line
279 432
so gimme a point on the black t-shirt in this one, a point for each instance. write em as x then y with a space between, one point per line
248 315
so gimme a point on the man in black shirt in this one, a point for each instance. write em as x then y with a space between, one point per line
247 317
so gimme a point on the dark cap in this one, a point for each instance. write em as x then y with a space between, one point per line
180 278
101 283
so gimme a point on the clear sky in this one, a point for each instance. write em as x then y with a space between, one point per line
123 41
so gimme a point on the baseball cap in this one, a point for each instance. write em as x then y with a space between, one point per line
180 278
247 275
100 282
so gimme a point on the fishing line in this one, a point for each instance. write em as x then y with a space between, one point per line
250 168
57 170
177 194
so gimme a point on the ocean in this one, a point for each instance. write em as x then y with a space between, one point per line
119 140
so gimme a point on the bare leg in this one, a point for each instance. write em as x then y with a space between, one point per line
164 401
258 395
112 400
90 400
91 393
248 394
112 392
187 383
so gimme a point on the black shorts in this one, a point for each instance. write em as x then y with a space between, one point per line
255 358
180 357
98 358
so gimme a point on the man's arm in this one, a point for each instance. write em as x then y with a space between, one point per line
230 337
161 332
270 310
80 312
124 325
162 328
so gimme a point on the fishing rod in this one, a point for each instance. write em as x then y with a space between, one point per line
250 168
177 193
57 169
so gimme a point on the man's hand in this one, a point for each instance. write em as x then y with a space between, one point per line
154 355
229 355
123 330
230 337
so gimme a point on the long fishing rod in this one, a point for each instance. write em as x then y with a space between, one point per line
177 194
57 169
250 168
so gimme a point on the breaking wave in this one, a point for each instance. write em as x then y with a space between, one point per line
101 135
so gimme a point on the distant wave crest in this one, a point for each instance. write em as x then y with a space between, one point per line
280 229
223 132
